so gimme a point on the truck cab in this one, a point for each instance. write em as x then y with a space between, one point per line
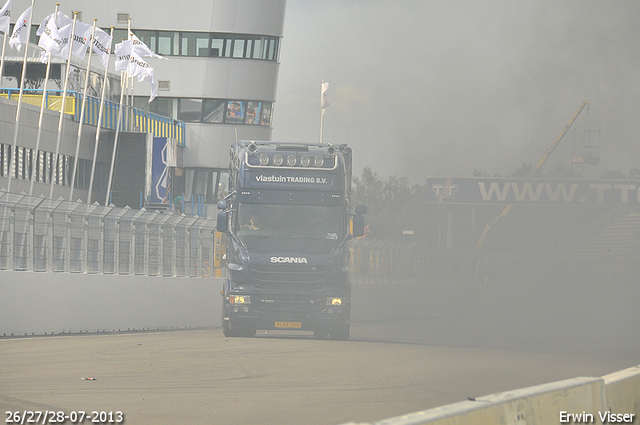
288 223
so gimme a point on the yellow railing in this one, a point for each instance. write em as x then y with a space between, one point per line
143 121
53 102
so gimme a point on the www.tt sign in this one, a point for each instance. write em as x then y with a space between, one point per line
534 191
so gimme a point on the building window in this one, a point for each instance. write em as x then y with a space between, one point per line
168 43
194 44
209 111
213 110
148 37
235 112
120 35
265 117
238 48
203 44
217 47
273 43
253 112
190 110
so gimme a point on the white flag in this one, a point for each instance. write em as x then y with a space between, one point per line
5 17
43 25
82 35
61 21
142 49
129 60
123 54
102 46
20 34
323 96
50 40
141 69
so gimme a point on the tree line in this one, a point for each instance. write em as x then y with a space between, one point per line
396 205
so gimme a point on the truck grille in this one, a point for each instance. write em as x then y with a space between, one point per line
295 273
289 303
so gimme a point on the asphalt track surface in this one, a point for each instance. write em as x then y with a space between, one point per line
463 342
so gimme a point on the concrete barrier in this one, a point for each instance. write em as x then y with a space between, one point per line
621 392
614 398
53 303
541 404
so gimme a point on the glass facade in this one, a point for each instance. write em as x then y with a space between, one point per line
210 111
205 44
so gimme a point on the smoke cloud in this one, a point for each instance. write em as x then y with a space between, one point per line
445 87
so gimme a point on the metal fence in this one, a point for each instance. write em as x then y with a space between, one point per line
40 234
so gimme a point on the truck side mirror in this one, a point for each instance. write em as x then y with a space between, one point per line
358 226
222 222
361 209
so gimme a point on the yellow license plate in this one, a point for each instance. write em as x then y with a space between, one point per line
289 325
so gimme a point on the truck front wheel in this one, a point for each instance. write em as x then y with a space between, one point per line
228 332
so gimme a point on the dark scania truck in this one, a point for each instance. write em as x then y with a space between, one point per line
288 222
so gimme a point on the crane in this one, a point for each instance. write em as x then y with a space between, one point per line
534 171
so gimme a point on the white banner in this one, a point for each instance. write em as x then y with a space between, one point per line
51 40
323 96
102 46
123 54
141 69
128 59
82 35
61 21
20 34
5 17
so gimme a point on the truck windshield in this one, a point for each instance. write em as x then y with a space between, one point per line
298 221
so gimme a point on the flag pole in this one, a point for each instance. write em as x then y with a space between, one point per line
64 98
322 108
24 71
321 126
43 105
4 47
100 112
123 78
130 87
84 103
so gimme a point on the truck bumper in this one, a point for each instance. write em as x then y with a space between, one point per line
327 319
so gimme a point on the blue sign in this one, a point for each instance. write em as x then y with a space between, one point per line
162 159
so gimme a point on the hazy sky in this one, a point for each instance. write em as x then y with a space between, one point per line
440 87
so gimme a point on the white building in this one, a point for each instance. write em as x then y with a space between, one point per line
220 76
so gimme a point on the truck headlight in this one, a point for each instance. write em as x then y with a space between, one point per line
239 299
334 301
